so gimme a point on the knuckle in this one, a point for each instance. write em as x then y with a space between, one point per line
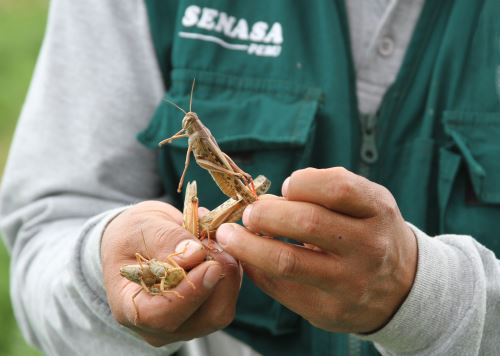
224 318
339 185
286 262
376 248
379 253
339 173
392 208
339 170
343 189
388 205
309 221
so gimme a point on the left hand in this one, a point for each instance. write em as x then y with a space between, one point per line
359 257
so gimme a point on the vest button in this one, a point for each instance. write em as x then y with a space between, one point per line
369 155
386 46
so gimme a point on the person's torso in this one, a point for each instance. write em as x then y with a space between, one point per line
275 85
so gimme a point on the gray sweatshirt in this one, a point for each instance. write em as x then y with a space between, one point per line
75 163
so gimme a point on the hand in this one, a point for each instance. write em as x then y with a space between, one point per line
160 320
358 258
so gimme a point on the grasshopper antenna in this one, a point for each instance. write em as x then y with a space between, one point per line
146 246
191 97
177 106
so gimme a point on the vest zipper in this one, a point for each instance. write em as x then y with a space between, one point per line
368 150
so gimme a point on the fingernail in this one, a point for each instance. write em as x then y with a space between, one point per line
212 276
187 248
284 187
202 211
224 234
246 214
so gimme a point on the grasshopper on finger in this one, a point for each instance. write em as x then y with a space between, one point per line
159 277
190 212
232 180
229 211
155 277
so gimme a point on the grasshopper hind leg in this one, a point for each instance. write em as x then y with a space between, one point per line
136 310
175 264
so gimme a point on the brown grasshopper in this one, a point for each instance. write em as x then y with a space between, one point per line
232 180
229 211
190 211
155 277
160 277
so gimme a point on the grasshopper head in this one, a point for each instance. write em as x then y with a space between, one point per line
131 272
190 122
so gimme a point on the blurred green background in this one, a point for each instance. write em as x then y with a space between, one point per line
22 24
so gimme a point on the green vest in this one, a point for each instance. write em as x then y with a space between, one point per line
276 86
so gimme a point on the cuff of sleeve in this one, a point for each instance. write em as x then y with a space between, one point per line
440 296
91 264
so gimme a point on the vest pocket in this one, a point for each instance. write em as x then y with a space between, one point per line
267 127
469 177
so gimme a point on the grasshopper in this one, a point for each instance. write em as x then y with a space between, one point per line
155 277
232 180
160 277
229 211
190 211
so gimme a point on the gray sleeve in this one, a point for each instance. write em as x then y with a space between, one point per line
74 164
454 305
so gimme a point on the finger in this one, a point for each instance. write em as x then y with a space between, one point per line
302 221
314 304
334 188
202 211
167 312
220 307
294 295
189 253
216 312
162 240
276 258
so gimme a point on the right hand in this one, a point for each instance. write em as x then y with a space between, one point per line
161 320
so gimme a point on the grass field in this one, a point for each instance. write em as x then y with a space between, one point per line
22 24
